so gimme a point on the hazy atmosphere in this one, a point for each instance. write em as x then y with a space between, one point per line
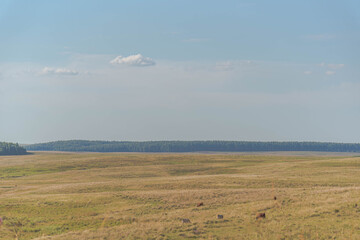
181 119
180 70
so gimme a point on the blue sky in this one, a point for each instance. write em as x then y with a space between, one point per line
168 70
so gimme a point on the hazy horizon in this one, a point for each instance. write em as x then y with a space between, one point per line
180 70
215 140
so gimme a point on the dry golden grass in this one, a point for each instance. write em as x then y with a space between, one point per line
146 196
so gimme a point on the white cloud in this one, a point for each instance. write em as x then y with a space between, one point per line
330 73
308 72
332 65
224 66
58 71
336 66
137 60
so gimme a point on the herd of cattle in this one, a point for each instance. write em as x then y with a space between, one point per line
259 215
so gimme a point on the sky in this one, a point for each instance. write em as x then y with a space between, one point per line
253 70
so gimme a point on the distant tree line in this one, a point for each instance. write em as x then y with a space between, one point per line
191 146
11 149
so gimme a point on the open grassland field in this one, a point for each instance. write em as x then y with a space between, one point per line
147 196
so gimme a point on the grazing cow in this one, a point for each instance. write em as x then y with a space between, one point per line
200 204
275 198
186 220
260 215
220 216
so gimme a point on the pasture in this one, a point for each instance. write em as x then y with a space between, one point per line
147 196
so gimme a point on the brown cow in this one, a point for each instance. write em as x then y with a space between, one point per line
186 220
275 198
200 204
260 215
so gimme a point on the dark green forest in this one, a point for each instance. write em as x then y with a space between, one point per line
191 146
11 149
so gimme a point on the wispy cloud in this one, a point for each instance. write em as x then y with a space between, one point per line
336 66
137 60
330 73
331 67
224 66
308 72
58 71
